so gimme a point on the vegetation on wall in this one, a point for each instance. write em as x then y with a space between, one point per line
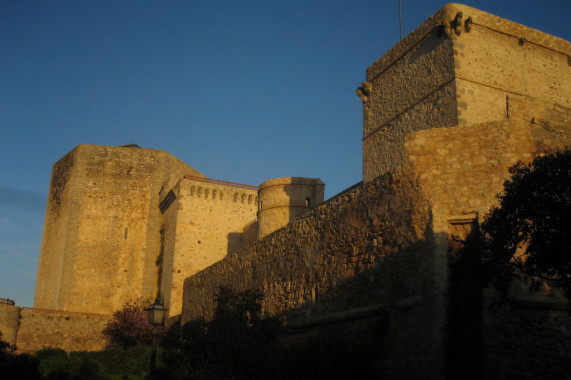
529 231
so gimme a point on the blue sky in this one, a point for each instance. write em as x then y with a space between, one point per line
242 91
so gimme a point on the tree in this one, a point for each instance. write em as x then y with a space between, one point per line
129 326
530 229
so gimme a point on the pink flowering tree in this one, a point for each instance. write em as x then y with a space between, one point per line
130 326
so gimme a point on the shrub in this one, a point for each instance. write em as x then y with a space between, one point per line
129 326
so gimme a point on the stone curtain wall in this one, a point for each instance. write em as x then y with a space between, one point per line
9 315
368 246
33 329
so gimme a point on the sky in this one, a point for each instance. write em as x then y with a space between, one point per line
242 91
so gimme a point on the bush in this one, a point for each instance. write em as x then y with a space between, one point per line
51 359
131 363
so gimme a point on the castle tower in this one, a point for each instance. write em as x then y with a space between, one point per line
282 200
203 222
101 236
462 66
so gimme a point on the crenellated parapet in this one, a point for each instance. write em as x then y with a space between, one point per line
203 223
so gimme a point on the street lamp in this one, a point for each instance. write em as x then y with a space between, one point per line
156 315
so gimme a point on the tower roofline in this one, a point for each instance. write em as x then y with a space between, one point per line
444 18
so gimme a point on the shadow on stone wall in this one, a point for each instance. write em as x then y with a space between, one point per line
364 259
464 342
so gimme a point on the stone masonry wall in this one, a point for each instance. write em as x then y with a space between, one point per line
527 335
499 60
33 329
368 246
68 331
103 223
414 92
203 226
285 199
441 76
9 316
51 269
461 170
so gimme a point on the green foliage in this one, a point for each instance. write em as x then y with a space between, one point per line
236 344
129 326
530 230
131 363
51 359
16 367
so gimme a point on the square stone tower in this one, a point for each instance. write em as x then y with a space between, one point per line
101 236
460 67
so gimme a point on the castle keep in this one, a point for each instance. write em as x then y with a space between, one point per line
446 112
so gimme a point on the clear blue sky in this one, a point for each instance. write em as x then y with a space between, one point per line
242 91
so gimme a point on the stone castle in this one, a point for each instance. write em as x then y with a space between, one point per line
125 223
446 112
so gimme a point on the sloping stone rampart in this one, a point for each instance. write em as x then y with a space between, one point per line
369 245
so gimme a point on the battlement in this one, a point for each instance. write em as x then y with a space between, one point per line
203 221
220 182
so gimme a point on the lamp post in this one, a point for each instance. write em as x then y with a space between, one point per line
156 315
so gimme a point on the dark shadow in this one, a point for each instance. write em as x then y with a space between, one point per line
465 346
431 42
235 242
373 246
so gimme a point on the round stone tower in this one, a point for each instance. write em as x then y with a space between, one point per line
281 200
